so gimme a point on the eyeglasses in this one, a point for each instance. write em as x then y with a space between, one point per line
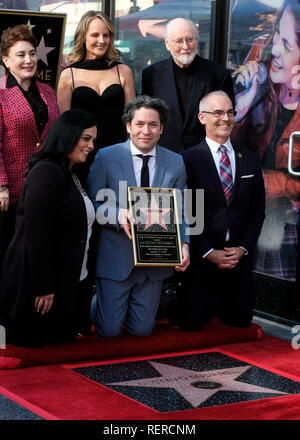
221 113
180 41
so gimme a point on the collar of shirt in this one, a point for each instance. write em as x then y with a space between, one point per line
138 163
214 147
135 151
12 82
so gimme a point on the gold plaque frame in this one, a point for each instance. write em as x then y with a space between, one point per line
156 239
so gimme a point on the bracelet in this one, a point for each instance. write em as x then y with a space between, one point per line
2 187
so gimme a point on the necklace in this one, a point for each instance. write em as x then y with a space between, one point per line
78 184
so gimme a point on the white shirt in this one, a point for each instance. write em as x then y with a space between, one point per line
90 214
138 163
214 146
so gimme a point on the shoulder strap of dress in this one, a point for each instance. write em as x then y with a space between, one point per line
118 73
72 79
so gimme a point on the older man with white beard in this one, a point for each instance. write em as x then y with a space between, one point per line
181 81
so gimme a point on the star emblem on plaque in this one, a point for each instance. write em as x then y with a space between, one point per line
155 214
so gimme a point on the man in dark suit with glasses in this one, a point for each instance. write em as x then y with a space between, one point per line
218 282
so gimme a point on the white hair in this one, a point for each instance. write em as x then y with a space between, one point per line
190 22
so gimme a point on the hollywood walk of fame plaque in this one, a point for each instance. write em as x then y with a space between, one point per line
155 233
49 30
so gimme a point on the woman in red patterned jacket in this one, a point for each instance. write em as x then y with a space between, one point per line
27 110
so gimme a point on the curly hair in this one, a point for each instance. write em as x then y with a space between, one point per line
79 52
144 101
10 36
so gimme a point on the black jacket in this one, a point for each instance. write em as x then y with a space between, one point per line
158 81
45 256
245 212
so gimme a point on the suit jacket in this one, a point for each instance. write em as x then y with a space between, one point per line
19 136
158 81
113 170
46 253
245 212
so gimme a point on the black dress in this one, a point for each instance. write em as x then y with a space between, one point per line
107 110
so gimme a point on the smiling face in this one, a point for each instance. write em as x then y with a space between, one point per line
181 41
145 129
21 61
84 146
285 51
217 128
97 39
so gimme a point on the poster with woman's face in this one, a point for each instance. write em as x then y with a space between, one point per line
265 62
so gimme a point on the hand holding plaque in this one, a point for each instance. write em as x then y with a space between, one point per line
155 231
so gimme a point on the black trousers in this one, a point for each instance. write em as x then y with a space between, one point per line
7 228
86 290
207 291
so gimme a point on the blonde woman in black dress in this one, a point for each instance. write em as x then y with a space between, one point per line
96 81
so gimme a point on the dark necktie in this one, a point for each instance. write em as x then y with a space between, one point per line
145 171
225 172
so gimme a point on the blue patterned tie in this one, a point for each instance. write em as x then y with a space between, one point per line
225 172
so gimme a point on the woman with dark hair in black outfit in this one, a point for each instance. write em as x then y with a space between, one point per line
45 287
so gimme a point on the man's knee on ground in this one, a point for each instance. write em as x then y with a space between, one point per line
107 330
140 329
